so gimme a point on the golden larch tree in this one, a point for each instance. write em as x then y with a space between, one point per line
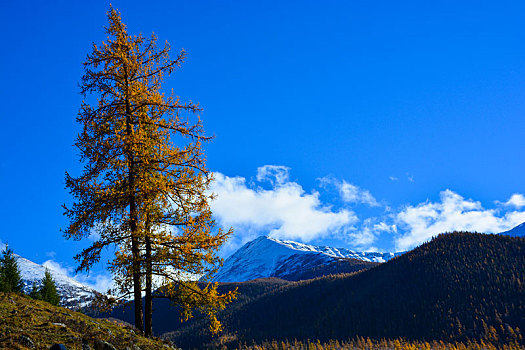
144 188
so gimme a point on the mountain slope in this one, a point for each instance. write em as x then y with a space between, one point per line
518 231
73 294
22 318
270 257
457 286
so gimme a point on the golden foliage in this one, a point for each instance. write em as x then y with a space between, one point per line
144 188
370 344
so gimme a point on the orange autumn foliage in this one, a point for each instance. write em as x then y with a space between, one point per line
144 188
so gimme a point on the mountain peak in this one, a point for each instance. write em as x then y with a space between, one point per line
266 256
73 294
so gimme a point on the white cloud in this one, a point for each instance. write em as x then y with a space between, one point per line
286 211
275 174
368 233
452 212
99 282
516 200
58 268
393 178
354 194
351 193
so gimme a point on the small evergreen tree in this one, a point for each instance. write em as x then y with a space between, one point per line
48 290
35 292
10 279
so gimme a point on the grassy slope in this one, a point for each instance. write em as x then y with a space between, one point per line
46 325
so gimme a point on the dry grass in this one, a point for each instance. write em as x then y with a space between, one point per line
46 325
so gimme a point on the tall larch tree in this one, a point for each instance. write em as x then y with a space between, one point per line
144 188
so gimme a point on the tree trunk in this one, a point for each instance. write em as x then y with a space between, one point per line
148 308
133 218
137 290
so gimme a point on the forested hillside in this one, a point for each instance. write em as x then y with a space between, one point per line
166 315
458 286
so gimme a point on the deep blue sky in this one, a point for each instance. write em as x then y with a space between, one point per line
404 99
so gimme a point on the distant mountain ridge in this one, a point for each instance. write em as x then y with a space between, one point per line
518 231
270 257
73 294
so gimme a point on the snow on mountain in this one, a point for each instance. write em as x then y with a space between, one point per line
518 231
73 294
270 257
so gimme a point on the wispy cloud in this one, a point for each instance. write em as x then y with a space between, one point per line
100 282
58 268
354 194
275 174
368 232
351 193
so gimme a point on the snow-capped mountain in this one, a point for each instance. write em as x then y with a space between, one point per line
518 231
73 294
270 257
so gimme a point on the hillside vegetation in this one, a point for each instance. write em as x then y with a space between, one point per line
22 318
458 287
166 315
369 344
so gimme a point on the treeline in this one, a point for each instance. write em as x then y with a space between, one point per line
11 280
458 287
